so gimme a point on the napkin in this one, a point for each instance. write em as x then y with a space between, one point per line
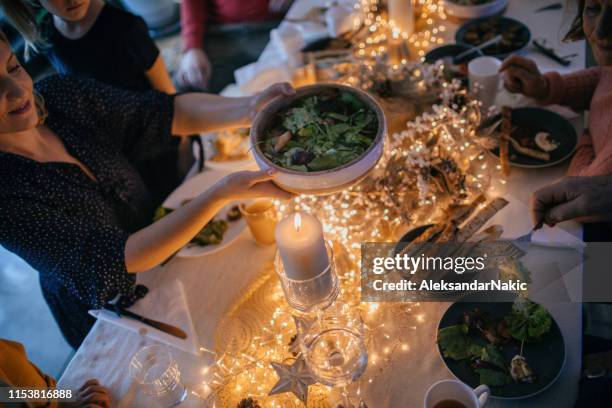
166 304
339 19
555 237
288 40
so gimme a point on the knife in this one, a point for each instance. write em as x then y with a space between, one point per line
164 327
550 53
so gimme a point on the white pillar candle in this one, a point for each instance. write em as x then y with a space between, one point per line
301 245
401 15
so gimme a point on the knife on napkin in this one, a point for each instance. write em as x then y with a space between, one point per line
166 328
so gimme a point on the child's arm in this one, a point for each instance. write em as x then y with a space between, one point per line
159 77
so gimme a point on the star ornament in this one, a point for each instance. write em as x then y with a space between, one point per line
293 378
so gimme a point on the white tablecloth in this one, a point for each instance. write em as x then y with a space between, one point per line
214 282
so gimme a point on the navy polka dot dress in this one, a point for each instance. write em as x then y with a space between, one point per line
70 228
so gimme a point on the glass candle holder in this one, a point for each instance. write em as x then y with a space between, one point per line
158 373
311 294
261 217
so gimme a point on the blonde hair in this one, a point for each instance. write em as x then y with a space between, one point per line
39 101
21 14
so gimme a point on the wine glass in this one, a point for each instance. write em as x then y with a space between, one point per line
154 368
334 349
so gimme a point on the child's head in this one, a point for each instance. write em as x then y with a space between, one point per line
22 15
594 22
69 10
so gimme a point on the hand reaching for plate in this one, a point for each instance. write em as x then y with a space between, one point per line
251 184
585 199
523 76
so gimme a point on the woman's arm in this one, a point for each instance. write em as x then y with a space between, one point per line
583 157
152 245
159 78
575 90
199 112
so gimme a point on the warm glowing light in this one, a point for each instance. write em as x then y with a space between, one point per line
297 221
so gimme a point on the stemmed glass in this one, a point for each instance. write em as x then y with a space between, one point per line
154 368
334 349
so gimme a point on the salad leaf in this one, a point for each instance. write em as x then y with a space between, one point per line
455 342
300 117
334 128
528 320
491 367
351 100
337 116
491 354
323 162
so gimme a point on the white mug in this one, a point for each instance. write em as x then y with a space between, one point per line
484 78
458 391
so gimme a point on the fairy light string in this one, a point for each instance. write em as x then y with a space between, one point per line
433 162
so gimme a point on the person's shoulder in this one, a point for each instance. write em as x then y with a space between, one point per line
58 83
60 92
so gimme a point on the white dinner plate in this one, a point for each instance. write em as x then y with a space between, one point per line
190 189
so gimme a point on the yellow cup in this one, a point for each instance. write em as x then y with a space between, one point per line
261 217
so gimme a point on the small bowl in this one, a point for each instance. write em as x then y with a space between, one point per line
450 50
325 181
461 12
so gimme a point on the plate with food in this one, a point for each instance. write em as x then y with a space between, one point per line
467 9
228 150
455 236
515 35
225 227
321 140
512 344
534 137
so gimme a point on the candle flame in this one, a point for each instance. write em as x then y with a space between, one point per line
297 221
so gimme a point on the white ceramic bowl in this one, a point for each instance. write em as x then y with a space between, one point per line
468 12
326 181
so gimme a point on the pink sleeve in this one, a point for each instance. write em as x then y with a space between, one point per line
600 165
583 157
193 22
575 90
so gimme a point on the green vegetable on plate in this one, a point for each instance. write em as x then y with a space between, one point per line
211 234
528 320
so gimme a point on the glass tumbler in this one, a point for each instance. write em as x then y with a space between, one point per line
158 373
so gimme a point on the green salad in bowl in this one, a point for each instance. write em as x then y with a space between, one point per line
320 131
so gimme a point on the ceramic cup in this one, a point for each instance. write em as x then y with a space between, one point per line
484 78
454 390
